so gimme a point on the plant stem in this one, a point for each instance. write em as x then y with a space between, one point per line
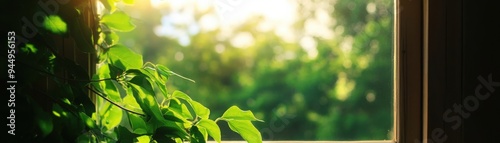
116 104
218 119
178 75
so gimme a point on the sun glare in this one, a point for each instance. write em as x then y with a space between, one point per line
277 16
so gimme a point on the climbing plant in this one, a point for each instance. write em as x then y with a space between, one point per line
132 104
126 84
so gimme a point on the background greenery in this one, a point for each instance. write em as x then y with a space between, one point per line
343 93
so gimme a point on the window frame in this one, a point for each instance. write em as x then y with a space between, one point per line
410 79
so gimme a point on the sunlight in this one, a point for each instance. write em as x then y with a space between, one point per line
278 16
226 14
232 12
324 62
242 40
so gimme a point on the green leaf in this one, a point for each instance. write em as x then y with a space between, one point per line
129 1
163 71
203 131
111 115
124 135
130 103
150 76
173 131
176 111
111 38
235 113
103 72
124 58
196 135
85 138
88 121
200 110
240 122
153 74
109 88
161 138
102 57
178 140
137 124
173 116
118 21
211 127
29 48
246 129
131 73
143 93
55 24
179 109
181 95
111 135
143 139
44 122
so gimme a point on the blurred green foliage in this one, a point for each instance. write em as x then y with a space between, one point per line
344 93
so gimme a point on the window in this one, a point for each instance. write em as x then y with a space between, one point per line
313 70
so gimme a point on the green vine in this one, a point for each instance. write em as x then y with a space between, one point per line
177 118
132 104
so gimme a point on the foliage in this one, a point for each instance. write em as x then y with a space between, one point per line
133 103
344 93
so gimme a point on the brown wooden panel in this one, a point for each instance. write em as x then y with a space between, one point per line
444 83
481 57
409 65
463 50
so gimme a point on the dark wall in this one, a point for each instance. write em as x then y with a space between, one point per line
464 71
481 59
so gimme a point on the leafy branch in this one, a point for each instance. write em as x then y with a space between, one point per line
124 79
112 102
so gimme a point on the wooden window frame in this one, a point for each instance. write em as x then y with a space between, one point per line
411 76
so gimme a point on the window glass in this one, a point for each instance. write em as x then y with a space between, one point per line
312 70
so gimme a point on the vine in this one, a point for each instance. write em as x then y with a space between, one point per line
128 90
177 118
